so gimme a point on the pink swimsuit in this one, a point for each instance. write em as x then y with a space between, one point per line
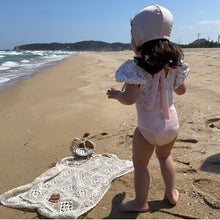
157 116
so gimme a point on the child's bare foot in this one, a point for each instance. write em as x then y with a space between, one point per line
173 196
133 206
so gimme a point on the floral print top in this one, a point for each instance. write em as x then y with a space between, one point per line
129 72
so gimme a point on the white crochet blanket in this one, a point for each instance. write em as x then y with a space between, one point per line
81 184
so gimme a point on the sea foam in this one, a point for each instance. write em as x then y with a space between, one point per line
3 79
10 64
18 65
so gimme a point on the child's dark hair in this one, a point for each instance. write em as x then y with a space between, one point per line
161 52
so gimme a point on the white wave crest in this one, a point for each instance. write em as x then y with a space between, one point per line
25 61
4 79
10 64
4 68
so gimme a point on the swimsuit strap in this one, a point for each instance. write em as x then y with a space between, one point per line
165 106
159 78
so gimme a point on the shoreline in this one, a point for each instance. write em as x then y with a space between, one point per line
41 115
10 84
16 66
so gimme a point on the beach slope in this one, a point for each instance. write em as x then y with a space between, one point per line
41 115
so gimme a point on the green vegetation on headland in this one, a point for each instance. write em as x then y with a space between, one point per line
201 43
78 46
102 46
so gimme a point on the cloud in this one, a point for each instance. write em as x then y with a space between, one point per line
214 22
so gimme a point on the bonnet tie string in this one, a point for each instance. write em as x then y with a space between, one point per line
159 78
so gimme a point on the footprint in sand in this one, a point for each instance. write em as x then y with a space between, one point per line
213 123
100 136
193 141
189 171
104 133
209 191
86 135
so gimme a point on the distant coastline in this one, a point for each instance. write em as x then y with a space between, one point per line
78 46
102 46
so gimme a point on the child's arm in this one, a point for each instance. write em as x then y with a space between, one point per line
180 90
127 97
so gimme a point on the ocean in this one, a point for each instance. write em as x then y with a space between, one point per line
18 65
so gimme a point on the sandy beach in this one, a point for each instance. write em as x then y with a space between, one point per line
41 115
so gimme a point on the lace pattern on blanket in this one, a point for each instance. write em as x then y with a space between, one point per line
80 183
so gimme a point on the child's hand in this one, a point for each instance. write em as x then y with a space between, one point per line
127 96
113 93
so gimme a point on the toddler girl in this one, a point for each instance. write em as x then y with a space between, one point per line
150 79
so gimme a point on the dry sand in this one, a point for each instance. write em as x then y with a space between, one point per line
41 115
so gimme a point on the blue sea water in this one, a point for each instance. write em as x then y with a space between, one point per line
18 65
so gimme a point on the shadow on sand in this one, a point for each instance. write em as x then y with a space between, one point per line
212 164
117 214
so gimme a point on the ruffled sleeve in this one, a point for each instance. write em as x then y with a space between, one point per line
181 76
129 72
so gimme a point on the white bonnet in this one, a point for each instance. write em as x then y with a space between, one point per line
151 23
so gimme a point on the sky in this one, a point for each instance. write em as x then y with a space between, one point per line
69 21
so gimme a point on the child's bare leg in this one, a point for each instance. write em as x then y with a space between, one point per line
168 171
142 152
